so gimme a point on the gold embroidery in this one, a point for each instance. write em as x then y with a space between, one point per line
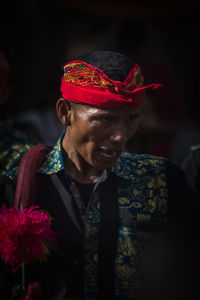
126 271
123 200
143 218
137 204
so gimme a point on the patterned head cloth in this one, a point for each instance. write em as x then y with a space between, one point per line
85 84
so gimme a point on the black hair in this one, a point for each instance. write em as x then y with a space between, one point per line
115 65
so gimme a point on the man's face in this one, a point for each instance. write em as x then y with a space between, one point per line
98 136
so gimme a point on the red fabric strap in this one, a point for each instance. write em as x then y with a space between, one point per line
28 178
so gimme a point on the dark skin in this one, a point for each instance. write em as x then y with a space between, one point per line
95 137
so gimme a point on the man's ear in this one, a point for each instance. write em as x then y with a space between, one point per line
63 109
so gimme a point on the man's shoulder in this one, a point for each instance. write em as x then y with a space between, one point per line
139 158
130 164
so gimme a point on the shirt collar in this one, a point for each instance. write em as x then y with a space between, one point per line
54 161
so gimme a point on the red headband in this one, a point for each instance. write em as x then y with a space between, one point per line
82 83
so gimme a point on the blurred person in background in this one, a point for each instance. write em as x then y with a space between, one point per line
13 141
191 168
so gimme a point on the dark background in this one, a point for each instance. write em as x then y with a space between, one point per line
162 36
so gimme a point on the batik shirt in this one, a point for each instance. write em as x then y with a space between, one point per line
147 191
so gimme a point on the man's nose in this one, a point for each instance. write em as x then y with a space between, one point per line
119 135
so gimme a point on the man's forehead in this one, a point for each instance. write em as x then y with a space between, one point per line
116 110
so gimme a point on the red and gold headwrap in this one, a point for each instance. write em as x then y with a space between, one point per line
85 84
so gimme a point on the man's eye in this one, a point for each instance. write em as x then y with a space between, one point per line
107 119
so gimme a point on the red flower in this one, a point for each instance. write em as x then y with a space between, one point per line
23 235
34 291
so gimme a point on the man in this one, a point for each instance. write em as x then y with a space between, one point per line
112 211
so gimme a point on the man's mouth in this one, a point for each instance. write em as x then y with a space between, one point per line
109 154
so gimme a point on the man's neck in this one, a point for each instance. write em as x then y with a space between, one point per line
82 173
89 176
